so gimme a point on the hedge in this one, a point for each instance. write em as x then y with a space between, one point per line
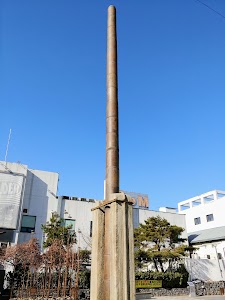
169 279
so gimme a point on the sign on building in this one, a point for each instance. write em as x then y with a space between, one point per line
148 284
11 186
140 200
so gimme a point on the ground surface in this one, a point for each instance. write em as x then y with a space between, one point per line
189 298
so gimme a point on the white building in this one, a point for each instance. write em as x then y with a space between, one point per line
77 212
170 214
28 199
205 221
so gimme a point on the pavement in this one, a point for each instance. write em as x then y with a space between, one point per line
189 298
216 297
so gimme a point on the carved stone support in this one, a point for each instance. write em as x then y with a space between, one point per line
117 212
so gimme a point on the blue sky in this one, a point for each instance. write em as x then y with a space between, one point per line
171 94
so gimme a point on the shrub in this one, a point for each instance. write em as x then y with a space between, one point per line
169 279
84 279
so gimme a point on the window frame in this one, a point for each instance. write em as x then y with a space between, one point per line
25 228
91 227
209 219
66 226
219 255
196 220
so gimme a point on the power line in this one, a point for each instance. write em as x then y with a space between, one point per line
212 9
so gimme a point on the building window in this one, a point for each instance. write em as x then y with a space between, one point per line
28 224
197 220
90 228
70 223
209 218
219 255
208 256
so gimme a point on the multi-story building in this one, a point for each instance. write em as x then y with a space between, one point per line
28 200
205 223
77 212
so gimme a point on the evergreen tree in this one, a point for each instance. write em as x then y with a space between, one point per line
55 230
159 242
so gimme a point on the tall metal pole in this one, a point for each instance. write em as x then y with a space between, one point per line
112 130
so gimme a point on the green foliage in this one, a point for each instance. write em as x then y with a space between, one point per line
84 279
169 279
55 230
158 242
85 255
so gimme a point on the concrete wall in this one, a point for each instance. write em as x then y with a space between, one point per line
39 200
206 269
206 263
12 183
211 250
203 208
80 211
38 197
172 218
14 167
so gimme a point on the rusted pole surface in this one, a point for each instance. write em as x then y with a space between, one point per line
112 139
112 266
112 132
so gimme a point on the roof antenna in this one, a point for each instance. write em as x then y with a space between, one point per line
7 147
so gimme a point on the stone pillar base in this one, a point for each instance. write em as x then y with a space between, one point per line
121 244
